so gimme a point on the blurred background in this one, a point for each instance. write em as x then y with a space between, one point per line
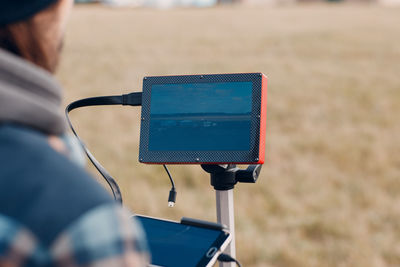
329 192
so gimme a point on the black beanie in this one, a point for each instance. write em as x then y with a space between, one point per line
17 10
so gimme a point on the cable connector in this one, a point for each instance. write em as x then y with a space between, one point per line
228 258
172 192
172 197
132 99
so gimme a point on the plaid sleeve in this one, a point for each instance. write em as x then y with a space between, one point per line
106 236
17 245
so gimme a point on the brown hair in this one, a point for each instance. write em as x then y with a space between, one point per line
27 39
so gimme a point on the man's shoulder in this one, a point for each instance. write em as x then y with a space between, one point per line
40 187
28 151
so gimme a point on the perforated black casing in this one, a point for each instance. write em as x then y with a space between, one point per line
200 157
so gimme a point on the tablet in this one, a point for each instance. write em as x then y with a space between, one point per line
191 243
203 119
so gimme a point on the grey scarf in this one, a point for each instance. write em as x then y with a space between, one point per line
29 95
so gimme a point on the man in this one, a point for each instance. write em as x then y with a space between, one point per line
52 213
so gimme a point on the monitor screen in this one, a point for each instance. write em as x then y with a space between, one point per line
178 245
215 118
200 116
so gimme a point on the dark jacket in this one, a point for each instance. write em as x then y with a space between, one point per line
52 213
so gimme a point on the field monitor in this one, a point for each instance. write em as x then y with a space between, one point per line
203 119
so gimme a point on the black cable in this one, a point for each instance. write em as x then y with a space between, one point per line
132 99
169 175
172 192
228 258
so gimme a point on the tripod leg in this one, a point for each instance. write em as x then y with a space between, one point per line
226 215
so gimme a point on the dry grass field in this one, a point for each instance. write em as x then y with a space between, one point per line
329 193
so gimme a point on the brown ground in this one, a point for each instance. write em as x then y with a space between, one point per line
329 194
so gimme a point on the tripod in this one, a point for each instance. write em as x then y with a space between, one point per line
223 179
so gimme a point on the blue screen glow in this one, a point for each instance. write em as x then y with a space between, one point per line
176 245
200 117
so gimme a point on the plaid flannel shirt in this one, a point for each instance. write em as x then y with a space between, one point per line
105 236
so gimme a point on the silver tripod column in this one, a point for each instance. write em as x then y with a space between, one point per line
226 215
223 179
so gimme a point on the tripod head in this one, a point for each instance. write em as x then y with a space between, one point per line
225 177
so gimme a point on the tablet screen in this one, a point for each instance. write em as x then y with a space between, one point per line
176 245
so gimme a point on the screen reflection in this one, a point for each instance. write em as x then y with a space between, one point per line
200 117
